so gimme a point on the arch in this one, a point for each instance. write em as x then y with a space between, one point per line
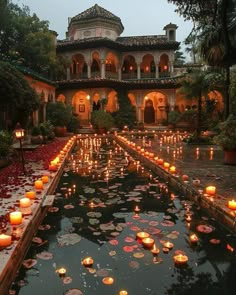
129 67
111 65
95 65
81 106
112 102
147 66
163 66
78 66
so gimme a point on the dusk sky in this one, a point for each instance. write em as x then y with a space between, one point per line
139 17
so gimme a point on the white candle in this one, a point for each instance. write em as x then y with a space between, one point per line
38 184
5 240
25 206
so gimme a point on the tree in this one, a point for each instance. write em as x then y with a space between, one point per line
26 39
198 84
179 57
17 98
214 25
125 116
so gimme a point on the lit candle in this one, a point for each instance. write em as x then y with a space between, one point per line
25 206
141 235
15 218
211 190
193 238
108 280
123 292
155 250
166 165
38 184
45 179
5 240
232 205
160 161
168 245
181 259
30 195
136 209
87 262
188 218
185 177
148 242
61 271
172 169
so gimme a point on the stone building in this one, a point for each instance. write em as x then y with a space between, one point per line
101 62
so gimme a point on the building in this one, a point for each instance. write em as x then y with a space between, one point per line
101 62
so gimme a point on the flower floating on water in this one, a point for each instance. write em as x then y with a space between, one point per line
205 228
45 255
74 292
28 263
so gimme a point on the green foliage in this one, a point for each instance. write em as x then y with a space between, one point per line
59 114
47 129
227 136
73 125
101 119
36 131
6 141
16 95
173 117
126 115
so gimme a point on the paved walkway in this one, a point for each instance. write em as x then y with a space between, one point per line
204 162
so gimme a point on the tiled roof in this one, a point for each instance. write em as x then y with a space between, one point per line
95 12
121 43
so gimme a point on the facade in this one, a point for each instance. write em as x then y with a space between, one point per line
101 62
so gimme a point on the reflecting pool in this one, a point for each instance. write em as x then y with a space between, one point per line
91 242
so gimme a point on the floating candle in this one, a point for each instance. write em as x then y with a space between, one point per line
5 240
30 195
188 218
123 292
136 209
155 250
108 280
88 261
61 271
180 259
193 238
168 245
15 218
38 184
232 205
211 190
142 234
165 250
148 242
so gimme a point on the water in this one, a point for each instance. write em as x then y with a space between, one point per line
93 215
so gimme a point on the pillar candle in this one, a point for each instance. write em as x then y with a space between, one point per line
5 240
25 206
15 218
211 190
38 184
45 179
232 205
30 195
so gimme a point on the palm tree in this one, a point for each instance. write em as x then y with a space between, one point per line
197 84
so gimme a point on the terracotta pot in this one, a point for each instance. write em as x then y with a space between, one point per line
230 157
60 131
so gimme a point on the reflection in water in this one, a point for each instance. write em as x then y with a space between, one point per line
103 200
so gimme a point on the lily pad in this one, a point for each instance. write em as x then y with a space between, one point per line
68 239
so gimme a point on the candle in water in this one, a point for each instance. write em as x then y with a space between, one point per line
181 259
123 292
61 271
108 280
136 209
148 242
155 250
88 261
168 245
193 238
5 240
142 234
15 218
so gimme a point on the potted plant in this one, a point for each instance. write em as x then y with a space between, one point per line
227 139
36 136
59 114
102 121
6 141
47 130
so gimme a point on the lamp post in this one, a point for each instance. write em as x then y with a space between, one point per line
19 133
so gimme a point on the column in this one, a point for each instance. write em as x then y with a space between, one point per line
68 73
103 74
89 70
138 72
157 71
